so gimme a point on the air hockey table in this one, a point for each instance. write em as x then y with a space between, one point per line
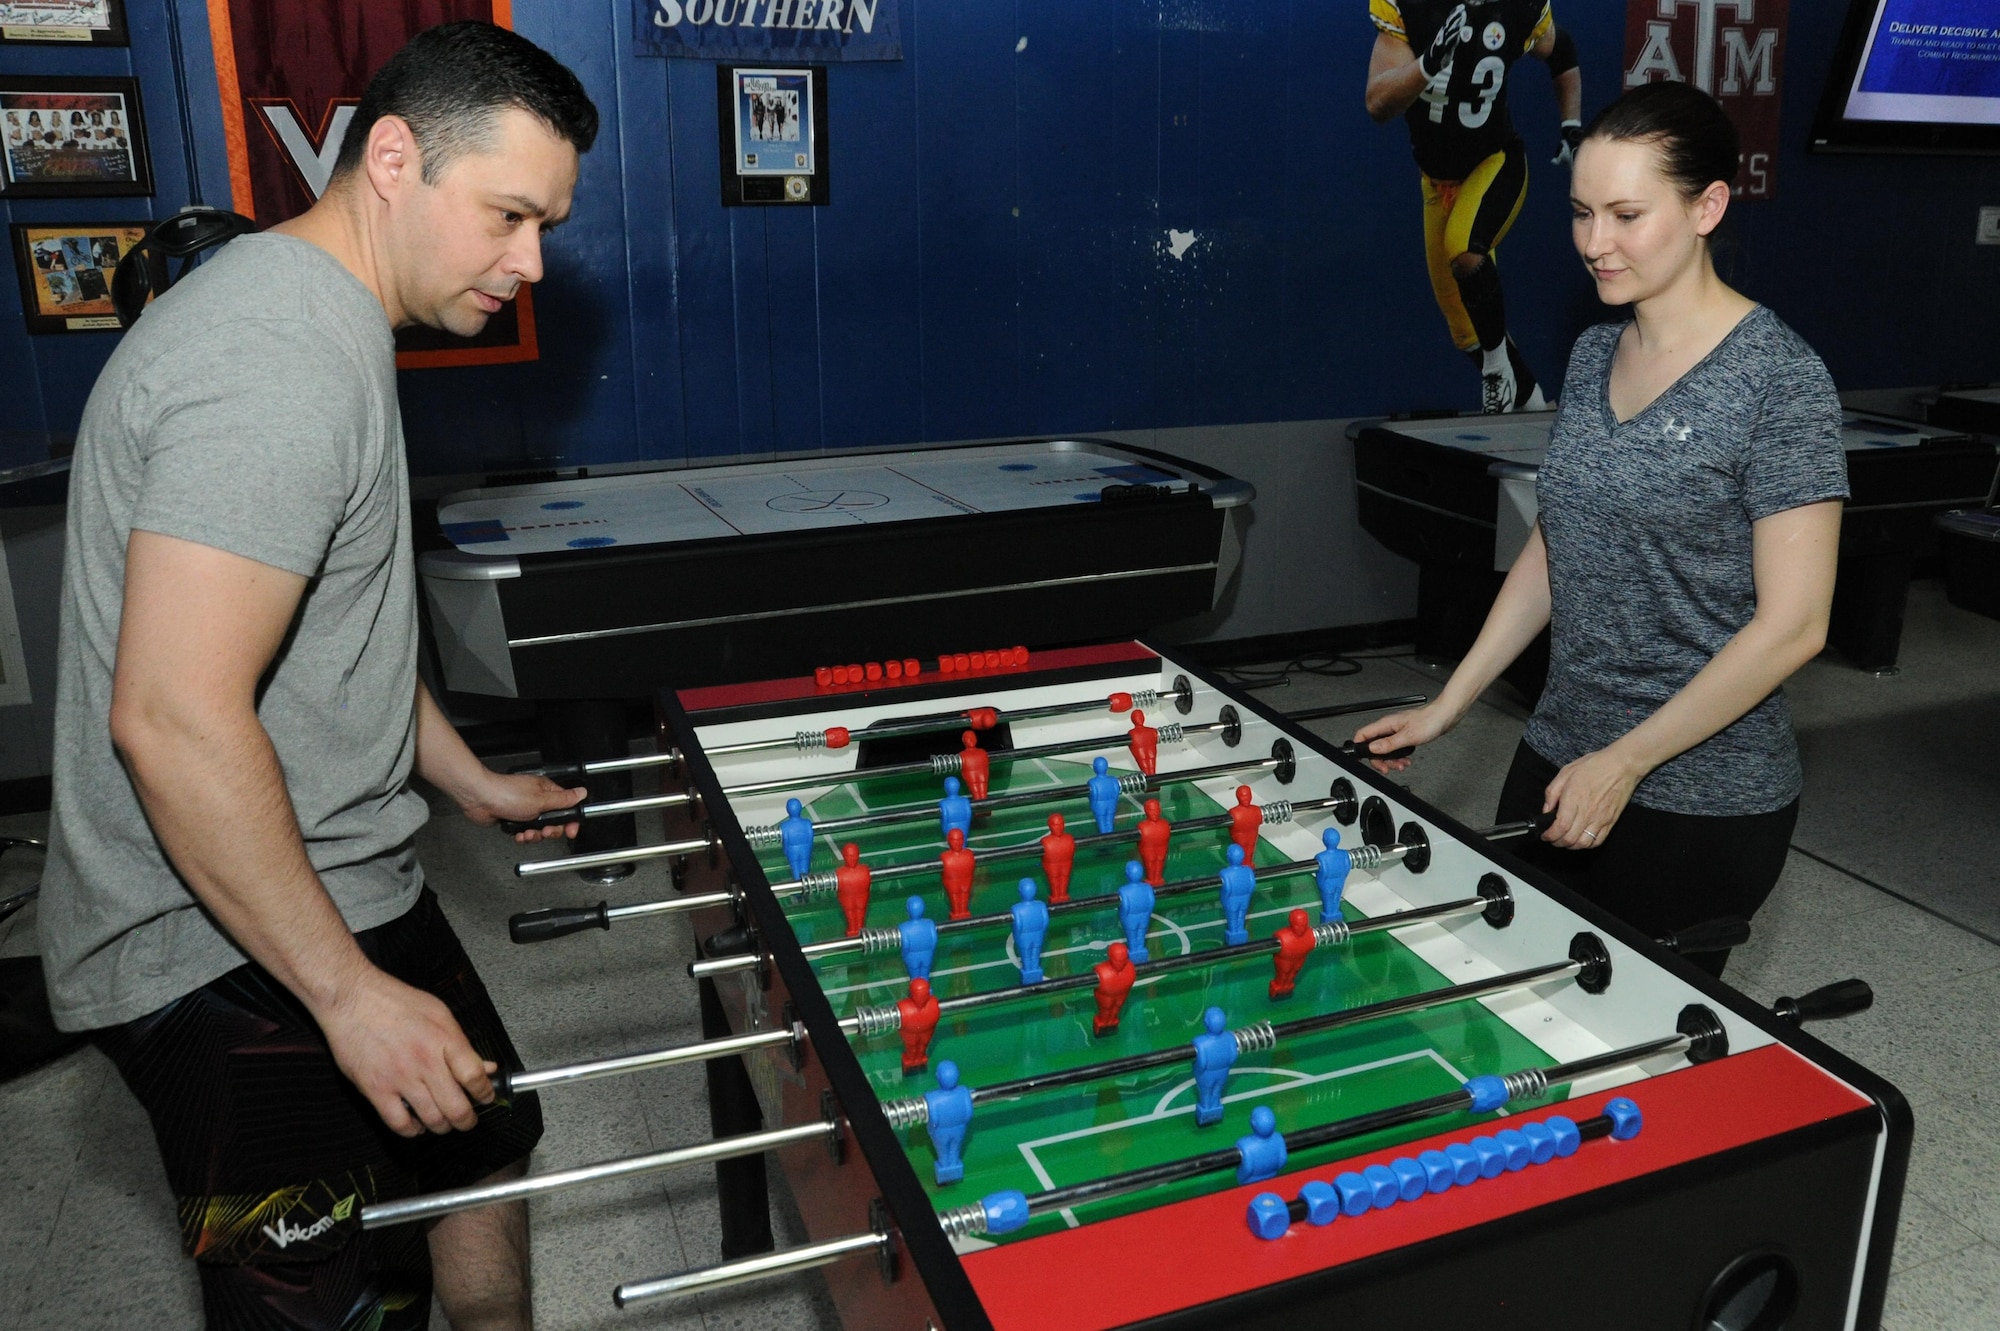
1457 495
611 586
1763 1190
1976 410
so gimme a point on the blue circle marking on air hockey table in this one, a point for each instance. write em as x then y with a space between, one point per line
1883 443
590 542
1475 438
1017 466
557 505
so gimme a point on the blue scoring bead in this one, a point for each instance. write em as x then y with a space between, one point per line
1322 1202
1411 1176
1005 1211
1519 1153
1385 1189
1541 1141
1626 1120
1268 1216
1492 1157
1357 1194
1488 1093
1439 1172
1464 1163
1567 1137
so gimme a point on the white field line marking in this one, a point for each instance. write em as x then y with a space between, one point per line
1298 1080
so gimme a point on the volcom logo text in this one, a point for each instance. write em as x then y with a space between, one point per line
287 1234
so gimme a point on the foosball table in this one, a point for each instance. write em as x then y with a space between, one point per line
1075 990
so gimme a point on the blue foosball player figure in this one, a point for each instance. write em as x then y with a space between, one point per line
919 940
795 834
1261 1154
1214 1054
1135 909
947 1113
1103 795
1031 926
1331 877
1239 882
954 810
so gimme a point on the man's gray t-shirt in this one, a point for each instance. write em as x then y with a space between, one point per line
1648 526
253 409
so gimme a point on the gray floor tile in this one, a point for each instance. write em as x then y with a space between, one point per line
1927 1234
1959 1293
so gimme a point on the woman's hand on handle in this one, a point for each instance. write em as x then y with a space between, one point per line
1588 797
1403 730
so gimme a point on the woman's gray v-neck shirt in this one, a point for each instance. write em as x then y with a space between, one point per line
1648 530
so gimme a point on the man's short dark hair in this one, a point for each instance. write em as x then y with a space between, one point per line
449 83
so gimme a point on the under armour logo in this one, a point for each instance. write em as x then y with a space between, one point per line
1676 431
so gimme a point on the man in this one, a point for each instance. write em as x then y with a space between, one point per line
232 902
1443 67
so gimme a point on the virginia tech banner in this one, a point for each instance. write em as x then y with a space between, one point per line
291 73
1731 49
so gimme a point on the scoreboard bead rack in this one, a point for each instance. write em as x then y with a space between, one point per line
1374 1069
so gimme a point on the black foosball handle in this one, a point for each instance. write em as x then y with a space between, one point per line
1717 935
553 818
1842 998
534 926
1353 750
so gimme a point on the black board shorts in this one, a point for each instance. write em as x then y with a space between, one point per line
271 1152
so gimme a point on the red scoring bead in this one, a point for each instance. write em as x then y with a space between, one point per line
836 737
959 661
823 675
894 670
874 672
945 665
912 667
992 660
839 674
1020 656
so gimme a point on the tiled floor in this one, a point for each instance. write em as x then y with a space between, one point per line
1892 885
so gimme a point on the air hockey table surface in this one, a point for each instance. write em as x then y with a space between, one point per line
609 586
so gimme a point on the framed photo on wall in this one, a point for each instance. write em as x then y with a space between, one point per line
65 271
71 137
63 22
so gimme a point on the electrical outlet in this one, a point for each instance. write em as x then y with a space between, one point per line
1989 226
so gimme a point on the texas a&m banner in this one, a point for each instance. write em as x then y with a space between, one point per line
1733 50
291 73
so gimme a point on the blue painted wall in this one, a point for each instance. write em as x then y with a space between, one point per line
995 261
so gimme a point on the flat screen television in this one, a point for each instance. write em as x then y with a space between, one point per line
1917 76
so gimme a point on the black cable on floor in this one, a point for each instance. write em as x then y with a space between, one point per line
1328 665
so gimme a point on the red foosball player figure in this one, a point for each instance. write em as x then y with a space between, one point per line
919 1014
957 862
1114 984
1295 943
1058 854
1154 833
1144 741
974 765
1244 820
850 884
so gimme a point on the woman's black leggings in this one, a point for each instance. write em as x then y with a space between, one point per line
1657 871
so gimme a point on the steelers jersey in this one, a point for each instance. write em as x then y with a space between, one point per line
1461 118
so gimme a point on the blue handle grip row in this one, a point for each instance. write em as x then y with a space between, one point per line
1458 1165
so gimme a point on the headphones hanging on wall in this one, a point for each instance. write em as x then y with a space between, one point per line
142 273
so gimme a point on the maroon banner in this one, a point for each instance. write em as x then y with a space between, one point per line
1731 49
291 73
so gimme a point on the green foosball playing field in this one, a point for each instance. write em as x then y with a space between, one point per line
1074 1134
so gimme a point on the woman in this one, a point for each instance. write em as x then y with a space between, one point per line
1684 556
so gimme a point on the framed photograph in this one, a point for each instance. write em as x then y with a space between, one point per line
64 22
65 270
71 137
774 143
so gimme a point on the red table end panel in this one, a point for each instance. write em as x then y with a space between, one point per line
805 686
1119 1271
